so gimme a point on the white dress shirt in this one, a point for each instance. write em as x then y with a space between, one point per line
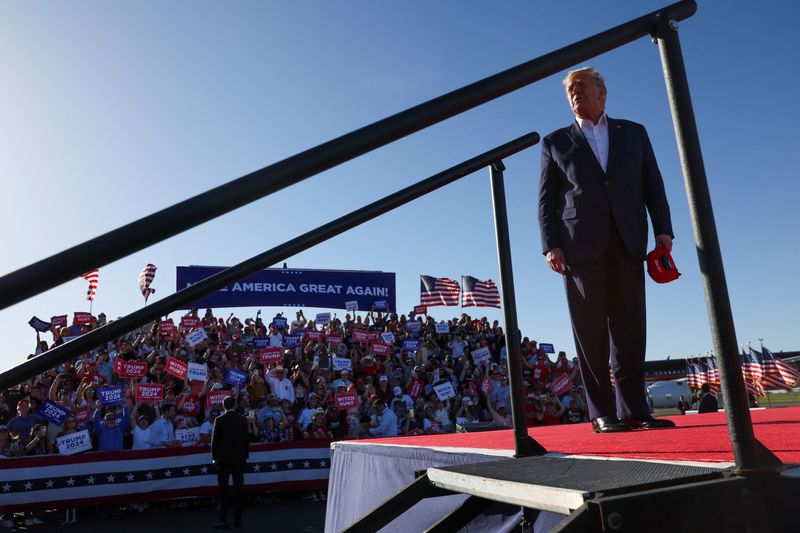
597 137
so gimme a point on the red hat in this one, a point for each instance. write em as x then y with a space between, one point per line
660 265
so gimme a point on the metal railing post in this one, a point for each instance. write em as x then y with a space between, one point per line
746 451
523 447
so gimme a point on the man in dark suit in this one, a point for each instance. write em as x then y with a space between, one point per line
599 175
229 451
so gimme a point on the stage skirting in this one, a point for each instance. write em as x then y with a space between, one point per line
98 478
366 473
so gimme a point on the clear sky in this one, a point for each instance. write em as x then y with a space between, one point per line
111 111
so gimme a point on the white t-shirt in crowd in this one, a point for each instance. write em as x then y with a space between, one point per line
141 438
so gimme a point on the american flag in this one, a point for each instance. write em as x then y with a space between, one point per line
479 293
713 370
777 374
92 277
145 279
752 372
438 291
693 378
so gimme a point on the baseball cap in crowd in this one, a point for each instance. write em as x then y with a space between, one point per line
110 415
345 372
661 266
397 391
312 394
384 378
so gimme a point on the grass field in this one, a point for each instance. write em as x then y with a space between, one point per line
786 399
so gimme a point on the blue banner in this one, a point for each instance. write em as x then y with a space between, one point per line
280 322
547 348
259 343
292 341
380 305
39 325
236 377
52 412
278 287
110 395
410 345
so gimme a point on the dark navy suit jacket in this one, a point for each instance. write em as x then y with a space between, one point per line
578 202
230 438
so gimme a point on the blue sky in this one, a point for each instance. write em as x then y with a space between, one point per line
109 112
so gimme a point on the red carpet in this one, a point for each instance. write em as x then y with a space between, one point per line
697 438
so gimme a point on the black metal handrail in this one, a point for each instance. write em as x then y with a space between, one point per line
71 263
186 296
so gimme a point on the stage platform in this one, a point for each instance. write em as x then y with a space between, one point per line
366 473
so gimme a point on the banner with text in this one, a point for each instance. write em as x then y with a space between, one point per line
279 287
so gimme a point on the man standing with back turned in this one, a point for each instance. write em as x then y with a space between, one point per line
229 451
598 176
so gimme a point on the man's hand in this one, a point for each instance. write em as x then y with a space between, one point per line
555 260
664 239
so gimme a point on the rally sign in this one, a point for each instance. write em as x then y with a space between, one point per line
388 337
444 391
261 343
52 412
292 341
313 335
415 388
442 327
39 325
380 349
236 377
190 322
166 326
270 355
362 335
560 385
197 371
346 400
334 339
188 436
59 321
342 363
323 318
547 348
214 398
351 305
280 322
147 392
196 337
82 317
176 367
411 345
420 309
82 417
74 443
381 305
481 355
129 369
111 395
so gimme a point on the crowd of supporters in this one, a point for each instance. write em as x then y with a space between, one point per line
301 392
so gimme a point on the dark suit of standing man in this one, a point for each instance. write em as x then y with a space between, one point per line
599 180
229 451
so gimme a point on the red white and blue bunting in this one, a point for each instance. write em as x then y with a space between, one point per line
95 478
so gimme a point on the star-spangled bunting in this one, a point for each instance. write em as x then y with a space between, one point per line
479 293
438 291
31 481
145 279
92 277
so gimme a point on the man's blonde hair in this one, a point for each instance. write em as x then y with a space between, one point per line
597 78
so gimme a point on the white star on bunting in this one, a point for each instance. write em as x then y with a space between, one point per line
90 480
273 466
168 473
149 475
186 471
290 465
130 477
306 464
70 482
50 483
6 487
28 485
204 470
257 468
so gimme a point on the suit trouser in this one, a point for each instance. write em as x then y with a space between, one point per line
224 471
606 299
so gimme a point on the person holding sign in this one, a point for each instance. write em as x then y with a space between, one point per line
599 180
230 448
